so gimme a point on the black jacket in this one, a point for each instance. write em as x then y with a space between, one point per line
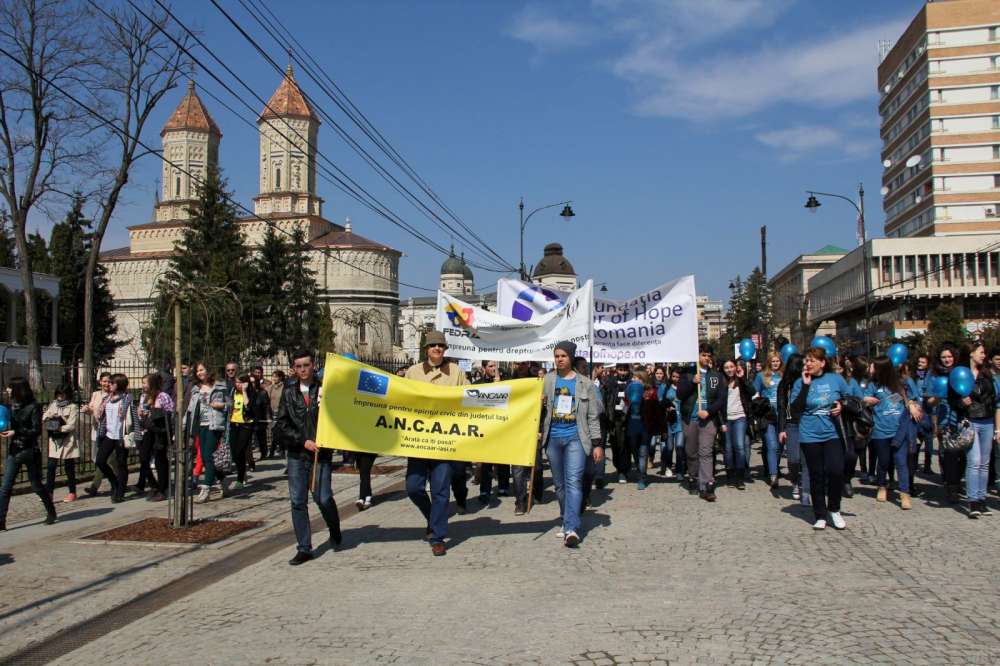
26 422
984 400
785 415
296 422
609 393
714 393
260 406
745 394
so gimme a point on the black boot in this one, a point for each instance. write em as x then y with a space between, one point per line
740 480
50 510
848 491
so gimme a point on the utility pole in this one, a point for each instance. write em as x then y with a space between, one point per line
179 516
763 296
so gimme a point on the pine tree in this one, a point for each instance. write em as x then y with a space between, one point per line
213 258
944 324
300 298
270 267
68 247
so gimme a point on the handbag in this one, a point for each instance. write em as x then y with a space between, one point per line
128 438
222 458
957 438
53 427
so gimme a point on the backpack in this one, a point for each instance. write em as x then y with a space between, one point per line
860 419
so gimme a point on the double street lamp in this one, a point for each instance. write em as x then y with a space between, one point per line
812 204
566 214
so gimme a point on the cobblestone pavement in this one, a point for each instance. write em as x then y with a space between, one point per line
661 577
50 579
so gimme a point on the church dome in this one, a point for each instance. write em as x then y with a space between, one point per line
554 263
466 271
453 265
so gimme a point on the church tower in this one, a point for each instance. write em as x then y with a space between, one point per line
190 143
288 130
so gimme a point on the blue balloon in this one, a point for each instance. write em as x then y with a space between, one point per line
353 357
825 343
747 349
898 353
939 386
4 418
962 381
787 350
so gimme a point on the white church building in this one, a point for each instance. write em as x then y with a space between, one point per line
357 277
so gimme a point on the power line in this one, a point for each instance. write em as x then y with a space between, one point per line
353 112
124 132
401 190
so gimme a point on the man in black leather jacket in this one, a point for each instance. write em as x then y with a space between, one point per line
295 426
702 421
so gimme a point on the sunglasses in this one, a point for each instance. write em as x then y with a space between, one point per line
437 345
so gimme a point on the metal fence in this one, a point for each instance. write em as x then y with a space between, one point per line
58 375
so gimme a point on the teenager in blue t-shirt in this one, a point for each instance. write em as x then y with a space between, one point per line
765 384
815 399
892 400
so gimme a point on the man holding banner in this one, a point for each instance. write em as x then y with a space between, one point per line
435 370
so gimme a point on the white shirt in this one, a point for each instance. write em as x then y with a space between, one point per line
113 419
734 406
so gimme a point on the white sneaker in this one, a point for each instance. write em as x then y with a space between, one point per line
560 534
819 524
360 504
622 478
202 495
668 473
368 502
837 520
795 492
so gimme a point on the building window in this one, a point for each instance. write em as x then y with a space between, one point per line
994 265
177 186
277 178
996 122
994 92
994 33
362 332
996 151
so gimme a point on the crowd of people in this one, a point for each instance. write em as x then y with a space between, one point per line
822 422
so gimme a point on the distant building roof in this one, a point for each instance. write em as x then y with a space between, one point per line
191 114
554 263
830 249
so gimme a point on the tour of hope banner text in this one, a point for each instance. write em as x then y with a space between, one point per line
365 409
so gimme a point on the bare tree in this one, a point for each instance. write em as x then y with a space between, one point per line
43 133
140 66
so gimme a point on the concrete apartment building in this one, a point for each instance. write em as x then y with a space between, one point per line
790 295
939 88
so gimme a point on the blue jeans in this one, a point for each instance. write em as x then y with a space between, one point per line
435 507
638 442
977 465
567 460
675 442
32 460
299 475
897 455
773 448
736 444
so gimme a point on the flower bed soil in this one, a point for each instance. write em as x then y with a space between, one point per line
158 530
376 469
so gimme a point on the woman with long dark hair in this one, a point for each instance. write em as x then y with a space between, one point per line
815 398
118 419
735 423
22 449
156 409
857 371
788 430
952 462
980 408
892 400
206 421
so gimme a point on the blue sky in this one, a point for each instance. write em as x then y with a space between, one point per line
677 127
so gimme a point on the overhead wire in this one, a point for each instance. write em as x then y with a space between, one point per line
394 183
154 151
319 75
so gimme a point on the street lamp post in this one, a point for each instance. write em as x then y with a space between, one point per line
812 203
567 212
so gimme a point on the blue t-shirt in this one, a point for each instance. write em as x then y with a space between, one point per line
634 392
816 424
563 423
854 388
672 397
768 391
890 408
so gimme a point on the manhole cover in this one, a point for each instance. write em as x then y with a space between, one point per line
158 530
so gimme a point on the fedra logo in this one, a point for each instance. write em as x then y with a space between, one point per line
490 398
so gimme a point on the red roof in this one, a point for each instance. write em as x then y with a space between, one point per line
340 238
288 100
191 114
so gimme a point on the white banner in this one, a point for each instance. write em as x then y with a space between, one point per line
658 326
475 333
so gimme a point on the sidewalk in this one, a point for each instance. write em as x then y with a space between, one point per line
52 579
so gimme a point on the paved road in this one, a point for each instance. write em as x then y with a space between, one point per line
661 577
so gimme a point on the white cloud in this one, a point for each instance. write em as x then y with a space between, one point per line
794 142
548 32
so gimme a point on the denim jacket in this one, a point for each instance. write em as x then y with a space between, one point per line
217 418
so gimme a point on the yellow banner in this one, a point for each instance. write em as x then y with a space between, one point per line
366 409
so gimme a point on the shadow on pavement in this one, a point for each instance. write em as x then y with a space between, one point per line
6 558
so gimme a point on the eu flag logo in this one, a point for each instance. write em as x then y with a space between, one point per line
373 383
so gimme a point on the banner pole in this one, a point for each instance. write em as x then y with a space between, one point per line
531 485
312 479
